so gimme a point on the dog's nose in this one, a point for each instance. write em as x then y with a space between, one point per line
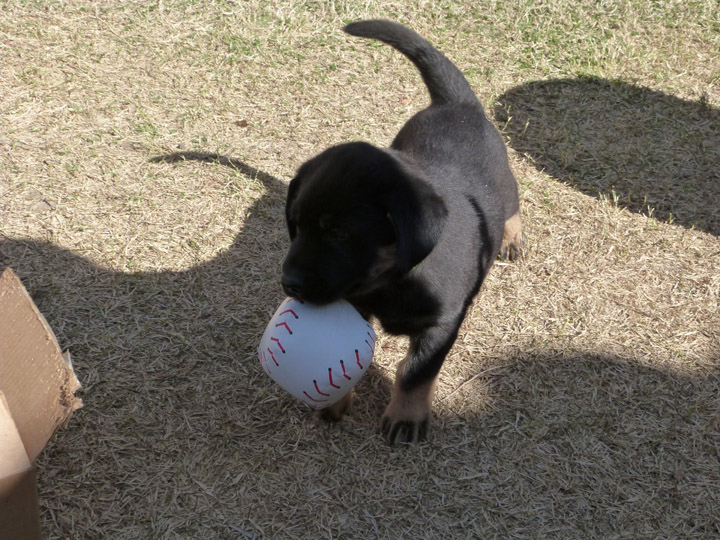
292 284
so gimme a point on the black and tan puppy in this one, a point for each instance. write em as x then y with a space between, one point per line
407 234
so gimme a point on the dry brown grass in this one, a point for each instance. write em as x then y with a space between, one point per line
144 154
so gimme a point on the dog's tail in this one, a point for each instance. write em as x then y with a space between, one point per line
444 80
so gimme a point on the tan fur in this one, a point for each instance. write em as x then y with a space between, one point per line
337 410
385 260
512 243
408 410
413 405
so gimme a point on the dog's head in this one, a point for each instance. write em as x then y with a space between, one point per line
356 216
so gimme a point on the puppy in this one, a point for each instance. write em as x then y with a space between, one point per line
407 234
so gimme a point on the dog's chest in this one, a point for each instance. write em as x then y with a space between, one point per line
404 308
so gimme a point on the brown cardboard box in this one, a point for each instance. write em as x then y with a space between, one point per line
37 396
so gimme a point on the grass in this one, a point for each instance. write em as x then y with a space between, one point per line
144 156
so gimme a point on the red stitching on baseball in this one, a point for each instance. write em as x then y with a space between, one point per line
371 348
312 398
330 378
285 325
276 340
370 334
288 311
342 365
273 357
318 390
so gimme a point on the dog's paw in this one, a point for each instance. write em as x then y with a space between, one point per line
513 239
404 431
336 411
511 252
407 416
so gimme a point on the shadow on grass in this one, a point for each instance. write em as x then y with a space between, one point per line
628 447
168 333
167 359
199 319
649 151
183 434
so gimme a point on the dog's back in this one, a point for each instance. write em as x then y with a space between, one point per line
452 136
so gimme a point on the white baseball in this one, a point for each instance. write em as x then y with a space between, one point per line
317 353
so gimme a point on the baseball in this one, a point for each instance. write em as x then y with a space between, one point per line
317 353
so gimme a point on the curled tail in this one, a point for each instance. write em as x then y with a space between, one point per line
443 79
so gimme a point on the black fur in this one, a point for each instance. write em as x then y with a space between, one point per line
406 234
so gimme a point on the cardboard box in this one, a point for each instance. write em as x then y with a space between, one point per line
37 396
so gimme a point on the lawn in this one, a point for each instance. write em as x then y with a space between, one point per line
145 150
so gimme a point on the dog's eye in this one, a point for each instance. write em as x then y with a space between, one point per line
338 234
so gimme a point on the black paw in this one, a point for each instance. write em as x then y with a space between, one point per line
404 431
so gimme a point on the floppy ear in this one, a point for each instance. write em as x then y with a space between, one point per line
418 215
291 196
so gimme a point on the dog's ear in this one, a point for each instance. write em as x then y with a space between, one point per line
293 189
418 216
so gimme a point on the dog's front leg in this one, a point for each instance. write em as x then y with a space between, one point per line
407 416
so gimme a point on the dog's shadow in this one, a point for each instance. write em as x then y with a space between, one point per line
648 151
154 348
